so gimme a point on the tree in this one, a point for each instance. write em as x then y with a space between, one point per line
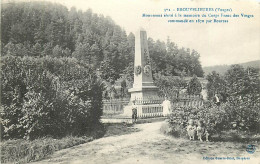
216 84
123 88
194 86
129 72
82 52
169 85
108 72
243 83
57 51
243 88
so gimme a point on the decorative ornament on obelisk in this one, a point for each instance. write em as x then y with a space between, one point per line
143 81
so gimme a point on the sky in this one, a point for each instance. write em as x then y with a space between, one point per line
218 43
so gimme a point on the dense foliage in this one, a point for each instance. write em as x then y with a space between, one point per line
239 92
238 83
169 86
212 116
194 86
216 118
43 28
48 96
216 84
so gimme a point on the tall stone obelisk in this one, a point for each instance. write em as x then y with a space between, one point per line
143 86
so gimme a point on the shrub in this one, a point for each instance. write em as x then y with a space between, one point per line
48 96
226 117
176 130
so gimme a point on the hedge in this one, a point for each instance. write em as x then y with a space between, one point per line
48 96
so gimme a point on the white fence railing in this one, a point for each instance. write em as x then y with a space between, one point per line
149 106
148 100
145 111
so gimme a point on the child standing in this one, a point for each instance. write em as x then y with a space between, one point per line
202 131
191 129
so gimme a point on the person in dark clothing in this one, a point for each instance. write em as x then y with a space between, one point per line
134 113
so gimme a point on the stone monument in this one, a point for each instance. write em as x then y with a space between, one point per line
143 87
143 81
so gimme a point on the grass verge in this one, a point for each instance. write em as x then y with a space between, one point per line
113 129
23 151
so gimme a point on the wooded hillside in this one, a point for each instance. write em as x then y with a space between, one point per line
45 29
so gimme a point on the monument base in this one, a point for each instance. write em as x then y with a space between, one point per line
146 100
143 93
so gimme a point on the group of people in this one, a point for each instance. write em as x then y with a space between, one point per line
199 130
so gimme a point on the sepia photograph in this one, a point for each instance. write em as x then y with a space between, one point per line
130 82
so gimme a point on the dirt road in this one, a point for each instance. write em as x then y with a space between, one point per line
152 147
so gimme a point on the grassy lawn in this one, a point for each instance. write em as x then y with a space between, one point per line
23 151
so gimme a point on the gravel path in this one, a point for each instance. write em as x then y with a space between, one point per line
152 147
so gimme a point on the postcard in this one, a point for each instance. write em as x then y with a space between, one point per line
130 81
